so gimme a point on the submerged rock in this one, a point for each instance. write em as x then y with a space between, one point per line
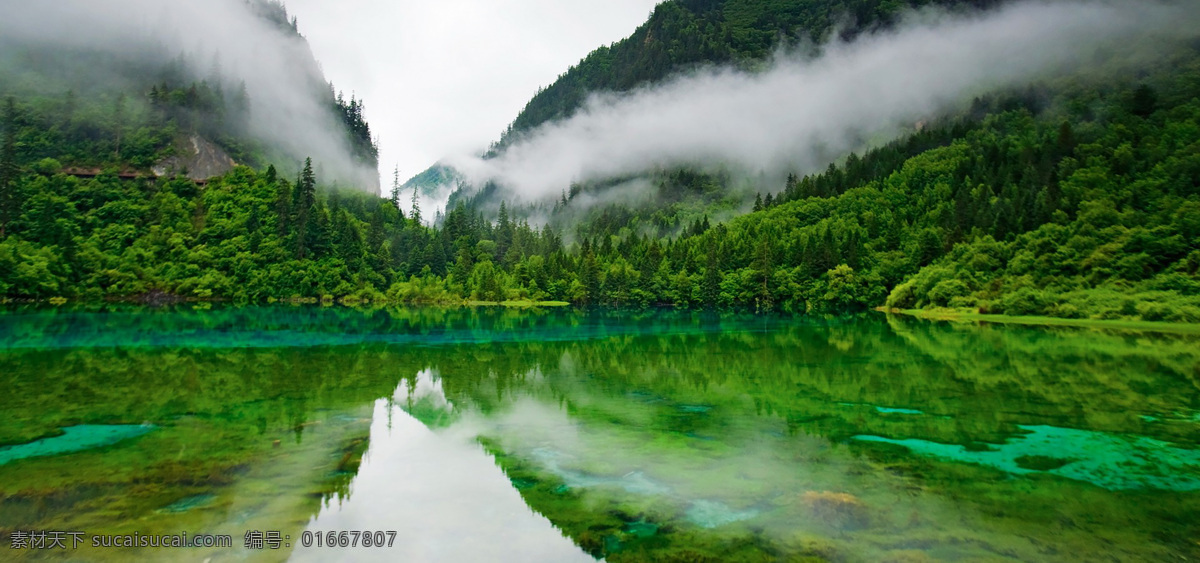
641 529
839 510
908 556
712 514
189 503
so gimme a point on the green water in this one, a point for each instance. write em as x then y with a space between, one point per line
498 435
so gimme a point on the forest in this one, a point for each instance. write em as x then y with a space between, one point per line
1077 200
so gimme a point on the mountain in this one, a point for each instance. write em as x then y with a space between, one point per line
204 85
683 35
1075 196
437 183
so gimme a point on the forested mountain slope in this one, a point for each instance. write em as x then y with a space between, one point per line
209 83
1076 199
681 34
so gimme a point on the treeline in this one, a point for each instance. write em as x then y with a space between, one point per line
1088 209
89 109
1095 214
687 202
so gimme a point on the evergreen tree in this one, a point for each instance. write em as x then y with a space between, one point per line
504 233
711 285
395 195
240 109
304 203
118 123
10 203
589 276
1144 102
764 268
415 214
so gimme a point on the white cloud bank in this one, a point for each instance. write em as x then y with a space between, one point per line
803 111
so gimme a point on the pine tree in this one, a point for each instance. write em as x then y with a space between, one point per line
504 233
283 204
119 122
764 267
10 204
1144 101
396 187
308 185
304 200
589 276
710 288
416 208
240 114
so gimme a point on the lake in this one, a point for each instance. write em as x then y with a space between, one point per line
565 435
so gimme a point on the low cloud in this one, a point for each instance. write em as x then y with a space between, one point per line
805 111
289 99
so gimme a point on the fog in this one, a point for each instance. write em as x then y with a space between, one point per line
288 95
807 110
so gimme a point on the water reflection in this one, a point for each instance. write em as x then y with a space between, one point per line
560 435
440 491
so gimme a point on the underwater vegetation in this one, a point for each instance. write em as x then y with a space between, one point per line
672 437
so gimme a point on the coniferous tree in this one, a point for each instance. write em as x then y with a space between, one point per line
283 206
395 195
240 110
10 204
764 267
119 122
304 203
504 232
711 285
1144 102
415 214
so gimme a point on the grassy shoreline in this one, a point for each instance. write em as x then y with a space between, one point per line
964 316
344 302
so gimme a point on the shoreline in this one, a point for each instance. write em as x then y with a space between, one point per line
965 317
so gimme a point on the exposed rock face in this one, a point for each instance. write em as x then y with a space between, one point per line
203 161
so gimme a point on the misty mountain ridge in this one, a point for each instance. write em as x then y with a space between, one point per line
187 86
748 110
682 36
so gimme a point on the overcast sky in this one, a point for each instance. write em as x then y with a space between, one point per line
442 77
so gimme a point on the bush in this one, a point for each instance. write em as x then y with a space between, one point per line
946 291
1024 301
902 297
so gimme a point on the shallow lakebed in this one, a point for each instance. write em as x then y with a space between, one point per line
493 434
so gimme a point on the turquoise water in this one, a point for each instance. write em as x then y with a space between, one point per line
568 435
1111 461
74 439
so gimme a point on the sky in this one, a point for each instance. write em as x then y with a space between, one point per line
445 77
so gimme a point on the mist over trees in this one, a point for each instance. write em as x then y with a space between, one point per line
236 73
682 35
799 111
1077 198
